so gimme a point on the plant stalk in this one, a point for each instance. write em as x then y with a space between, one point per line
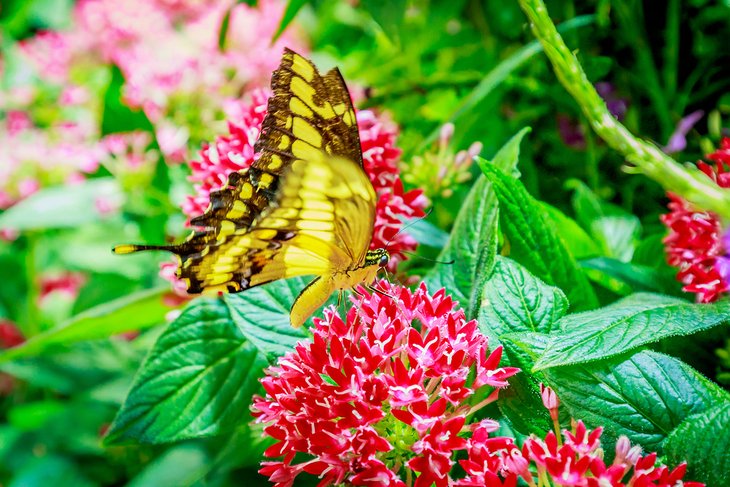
688 182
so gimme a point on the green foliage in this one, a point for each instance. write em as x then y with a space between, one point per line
200 366
550 245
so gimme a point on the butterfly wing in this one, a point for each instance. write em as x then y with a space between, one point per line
323 212
250 232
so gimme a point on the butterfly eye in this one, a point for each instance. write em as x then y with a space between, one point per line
383 260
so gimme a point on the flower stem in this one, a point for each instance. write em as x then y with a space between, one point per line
687 182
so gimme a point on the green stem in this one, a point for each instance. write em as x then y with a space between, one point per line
688 182
32 324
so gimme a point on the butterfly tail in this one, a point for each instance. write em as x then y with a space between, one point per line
310 299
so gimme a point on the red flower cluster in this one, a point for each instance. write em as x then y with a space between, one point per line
229 153
694 243
385 392
573 459
380 158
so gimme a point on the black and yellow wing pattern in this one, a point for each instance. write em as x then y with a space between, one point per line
304 207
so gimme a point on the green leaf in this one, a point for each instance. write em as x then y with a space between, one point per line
292 9
425 233
496 77
472 244
62 206
616 230
50 470
521 401
627 324
262 316
644 397
134 312
578 242
637 277
703 441
197 381
180 465
514 300
118 116
535 242
388 15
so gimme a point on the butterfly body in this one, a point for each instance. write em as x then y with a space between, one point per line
304 207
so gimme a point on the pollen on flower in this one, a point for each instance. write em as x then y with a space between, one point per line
382 391
694 244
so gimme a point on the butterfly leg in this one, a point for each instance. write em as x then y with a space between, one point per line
373 289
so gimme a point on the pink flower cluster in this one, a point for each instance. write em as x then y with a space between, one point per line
383 393
173 67
694 243
234 152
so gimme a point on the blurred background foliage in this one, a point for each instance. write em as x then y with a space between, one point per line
425 63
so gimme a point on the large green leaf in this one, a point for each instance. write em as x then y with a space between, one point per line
644 397
627 324
703 441
62 206
134 312
197 381
473 241
262 316
535 241
514 300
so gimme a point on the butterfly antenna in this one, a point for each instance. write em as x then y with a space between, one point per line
408 225
445 262
130 248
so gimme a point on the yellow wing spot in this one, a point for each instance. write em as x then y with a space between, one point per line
288 122
339 108
348 118
317 204
316 215
284 142
275 162
306 92
302 67
124 249
299 108
227 229
239 209
303 130
219 268
303 150
265 180
325 236
246 191
205 251
216 279
264 234
315 225
288 213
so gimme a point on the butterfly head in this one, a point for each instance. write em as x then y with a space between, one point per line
379 257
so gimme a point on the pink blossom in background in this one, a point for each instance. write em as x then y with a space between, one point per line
694 242
384 390
68 283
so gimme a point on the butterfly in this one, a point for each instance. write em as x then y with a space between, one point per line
304 207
